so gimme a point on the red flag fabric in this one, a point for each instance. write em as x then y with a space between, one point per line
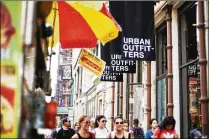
74 30
105 11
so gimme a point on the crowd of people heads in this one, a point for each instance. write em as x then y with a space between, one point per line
96 128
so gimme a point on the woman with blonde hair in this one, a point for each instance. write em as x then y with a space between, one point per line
83 132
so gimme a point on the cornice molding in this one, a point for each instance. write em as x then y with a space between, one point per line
160 15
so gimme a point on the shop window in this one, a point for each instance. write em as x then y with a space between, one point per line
161 69
100 107
189 69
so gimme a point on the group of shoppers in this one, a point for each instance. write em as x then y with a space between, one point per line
88 129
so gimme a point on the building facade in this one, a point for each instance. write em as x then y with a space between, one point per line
93 97
185 60
64 84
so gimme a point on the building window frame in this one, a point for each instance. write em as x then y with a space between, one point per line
161 72
184 64
139 71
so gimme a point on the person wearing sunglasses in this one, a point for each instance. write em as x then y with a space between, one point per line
65 132
83 132
100 130
118 132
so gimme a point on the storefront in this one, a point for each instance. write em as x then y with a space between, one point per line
190 106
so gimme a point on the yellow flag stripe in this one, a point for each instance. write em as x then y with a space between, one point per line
102 26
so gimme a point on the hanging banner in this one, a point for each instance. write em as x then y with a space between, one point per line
112 51
119 65
109 76
91 62
138 30
67 72
11 67
111 56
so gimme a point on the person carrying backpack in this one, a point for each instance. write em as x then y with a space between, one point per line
194 133
138 132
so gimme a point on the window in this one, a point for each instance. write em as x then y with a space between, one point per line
81 79
95 50
139 71
161 71
100 107
189 49
161 49
189 69
77 81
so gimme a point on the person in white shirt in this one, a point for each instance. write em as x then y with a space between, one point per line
100 130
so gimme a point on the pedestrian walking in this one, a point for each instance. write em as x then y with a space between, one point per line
194 133
65 132
76 127
166 129
118 132
154 125
138 132
125 126
92 124
84 132
100 130
54 134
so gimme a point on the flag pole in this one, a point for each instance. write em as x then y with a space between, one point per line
52 43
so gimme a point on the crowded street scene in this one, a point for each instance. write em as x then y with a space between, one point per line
104 69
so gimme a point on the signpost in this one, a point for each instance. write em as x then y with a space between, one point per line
91 62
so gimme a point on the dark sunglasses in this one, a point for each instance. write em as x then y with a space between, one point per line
87 122
118 123
104 121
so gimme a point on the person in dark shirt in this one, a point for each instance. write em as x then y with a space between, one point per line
138 132
65 132
54 134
